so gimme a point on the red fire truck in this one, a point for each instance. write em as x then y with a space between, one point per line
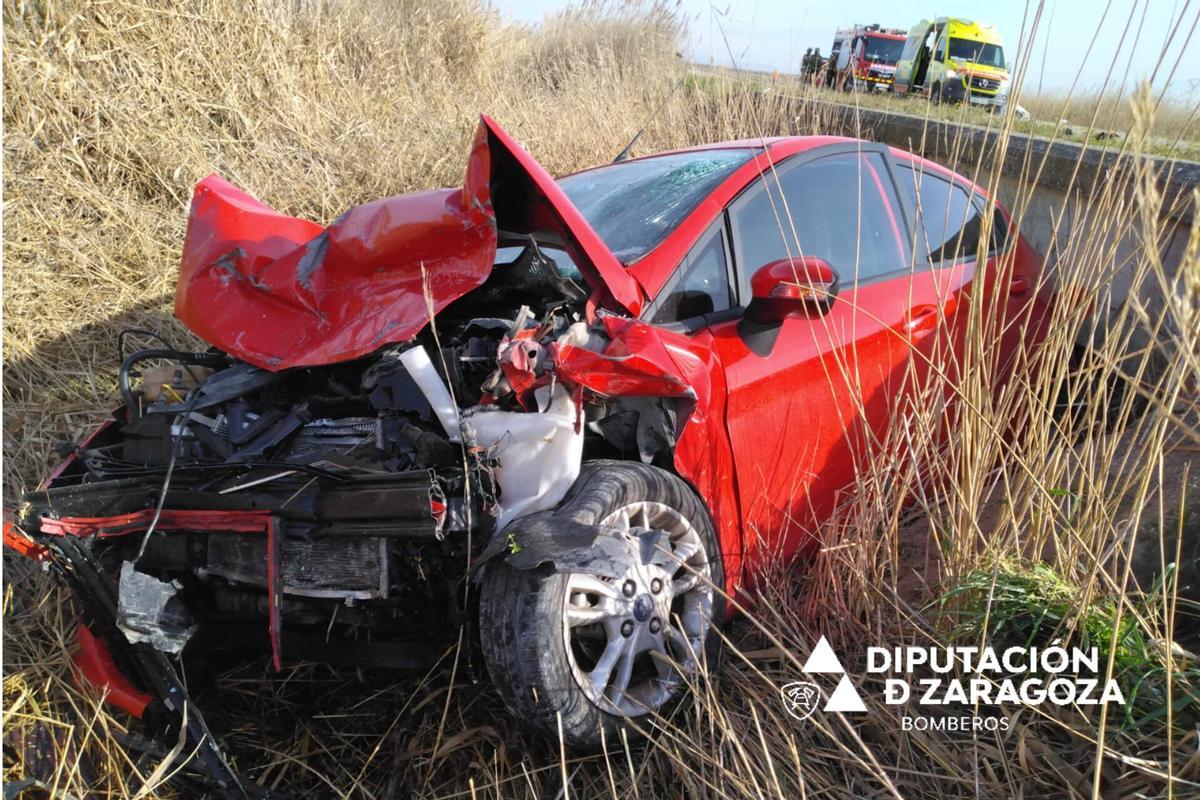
864 58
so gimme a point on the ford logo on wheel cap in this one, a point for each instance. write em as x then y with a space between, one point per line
642 607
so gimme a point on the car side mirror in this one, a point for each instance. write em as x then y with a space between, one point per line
789 285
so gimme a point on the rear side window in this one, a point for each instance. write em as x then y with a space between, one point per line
703 283
838 208
949 218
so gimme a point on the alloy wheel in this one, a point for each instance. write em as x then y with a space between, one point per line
631 638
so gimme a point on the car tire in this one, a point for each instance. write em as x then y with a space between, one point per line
536 653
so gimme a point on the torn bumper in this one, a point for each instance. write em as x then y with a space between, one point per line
132 625
136 677
94 663
301 536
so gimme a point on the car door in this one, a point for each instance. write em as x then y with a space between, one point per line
937 60
948 237
808 399
945 228
910 59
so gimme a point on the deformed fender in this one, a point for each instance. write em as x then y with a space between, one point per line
636 362
644 360
634 359
554 539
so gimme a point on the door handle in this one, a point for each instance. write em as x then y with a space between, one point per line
926 317
922 318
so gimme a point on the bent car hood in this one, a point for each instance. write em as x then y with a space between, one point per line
281 292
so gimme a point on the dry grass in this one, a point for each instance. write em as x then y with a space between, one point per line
1173 119
114 109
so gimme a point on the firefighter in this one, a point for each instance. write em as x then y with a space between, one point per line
818 65
806 64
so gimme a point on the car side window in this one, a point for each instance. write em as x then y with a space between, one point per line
838 207
949 222
999 226
702 282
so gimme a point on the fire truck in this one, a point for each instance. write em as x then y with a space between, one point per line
864 58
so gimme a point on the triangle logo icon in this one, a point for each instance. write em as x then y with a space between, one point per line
822 659
845 697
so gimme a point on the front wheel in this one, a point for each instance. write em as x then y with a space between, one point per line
602 649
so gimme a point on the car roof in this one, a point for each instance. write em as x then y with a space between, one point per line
774 145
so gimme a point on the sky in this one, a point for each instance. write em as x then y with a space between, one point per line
773 34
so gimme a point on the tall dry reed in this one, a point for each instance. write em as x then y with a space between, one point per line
114 109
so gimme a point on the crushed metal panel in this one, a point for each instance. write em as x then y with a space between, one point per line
280 292
146 613
635 362
642 360
530 200
670 389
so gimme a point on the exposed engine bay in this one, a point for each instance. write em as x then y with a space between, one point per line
344 502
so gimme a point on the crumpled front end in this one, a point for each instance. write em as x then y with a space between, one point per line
385 401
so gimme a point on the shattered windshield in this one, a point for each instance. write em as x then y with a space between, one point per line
633 205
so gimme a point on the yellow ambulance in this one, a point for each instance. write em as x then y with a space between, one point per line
953 60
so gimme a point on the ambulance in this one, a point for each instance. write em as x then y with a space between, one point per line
955 61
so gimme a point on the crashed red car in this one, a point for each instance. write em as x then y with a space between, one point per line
570 414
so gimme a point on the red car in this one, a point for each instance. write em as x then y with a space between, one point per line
641 383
